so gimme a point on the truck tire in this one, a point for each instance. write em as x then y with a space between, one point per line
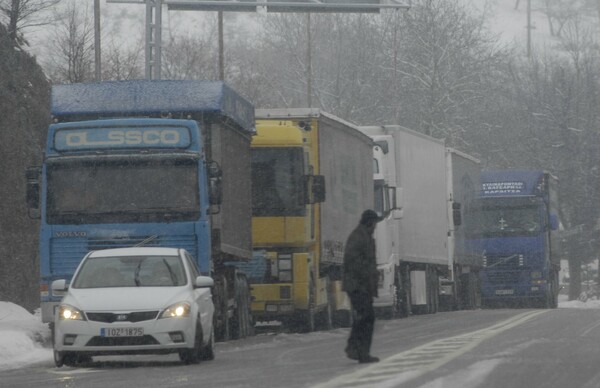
432 290
305 319
241 325
325 316
404 297
221 319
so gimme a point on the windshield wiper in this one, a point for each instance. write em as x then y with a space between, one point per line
171 273
136 277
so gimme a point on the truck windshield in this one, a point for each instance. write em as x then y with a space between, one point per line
507 218
92 192
277 182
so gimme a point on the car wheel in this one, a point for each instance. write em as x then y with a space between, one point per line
58 358
208 351
192 356
69 359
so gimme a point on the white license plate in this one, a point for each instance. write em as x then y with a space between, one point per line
122 332
505 292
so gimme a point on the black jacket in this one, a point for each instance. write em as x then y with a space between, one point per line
360 263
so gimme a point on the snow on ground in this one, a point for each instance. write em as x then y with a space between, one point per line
25 340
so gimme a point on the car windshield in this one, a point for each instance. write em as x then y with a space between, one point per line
131 271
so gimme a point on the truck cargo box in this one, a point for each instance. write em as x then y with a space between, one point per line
421 181
464 172
226 122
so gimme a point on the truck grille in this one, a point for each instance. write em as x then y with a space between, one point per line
71 250
137 316
515 261
503 277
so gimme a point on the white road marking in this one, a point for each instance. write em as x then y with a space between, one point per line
425 358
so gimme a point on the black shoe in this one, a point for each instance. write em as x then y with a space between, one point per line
368 360
351 354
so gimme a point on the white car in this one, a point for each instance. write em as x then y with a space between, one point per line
134 301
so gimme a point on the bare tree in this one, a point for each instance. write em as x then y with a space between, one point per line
22 14
122 62
191 57
72 46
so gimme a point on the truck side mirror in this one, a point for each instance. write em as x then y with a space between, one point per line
318 188
33 190
215 183
314 188
215 191
553 222
214 170
456 214
398 198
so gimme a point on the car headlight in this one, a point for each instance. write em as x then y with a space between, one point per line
177 310
69 313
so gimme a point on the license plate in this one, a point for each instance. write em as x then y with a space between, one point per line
505 292
122 332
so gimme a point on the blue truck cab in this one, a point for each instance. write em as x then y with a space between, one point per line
517 236
152 163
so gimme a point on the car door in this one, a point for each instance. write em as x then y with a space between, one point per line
202 297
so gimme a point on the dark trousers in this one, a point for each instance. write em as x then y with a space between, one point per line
361 334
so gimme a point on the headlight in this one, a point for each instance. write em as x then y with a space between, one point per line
177 310
70 313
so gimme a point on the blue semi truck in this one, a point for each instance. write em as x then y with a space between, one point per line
517 236
148 163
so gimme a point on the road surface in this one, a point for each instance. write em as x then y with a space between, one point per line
482 348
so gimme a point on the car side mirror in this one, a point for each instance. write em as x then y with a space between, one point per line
204 282
59 287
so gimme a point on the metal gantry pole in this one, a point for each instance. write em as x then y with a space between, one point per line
97 49
153 38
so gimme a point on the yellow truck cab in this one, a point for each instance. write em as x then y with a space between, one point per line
298 232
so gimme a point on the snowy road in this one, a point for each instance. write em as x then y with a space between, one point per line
483 348
466 349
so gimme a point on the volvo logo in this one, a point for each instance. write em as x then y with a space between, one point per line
70 234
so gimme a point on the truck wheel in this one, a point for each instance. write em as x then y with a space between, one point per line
221 318
325 318
404 295
555 289
240 321
309 322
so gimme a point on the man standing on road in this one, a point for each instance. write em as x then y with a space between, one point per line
360 282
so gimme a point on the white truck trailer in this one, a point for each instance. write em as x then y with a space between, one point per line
461 288
412 240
